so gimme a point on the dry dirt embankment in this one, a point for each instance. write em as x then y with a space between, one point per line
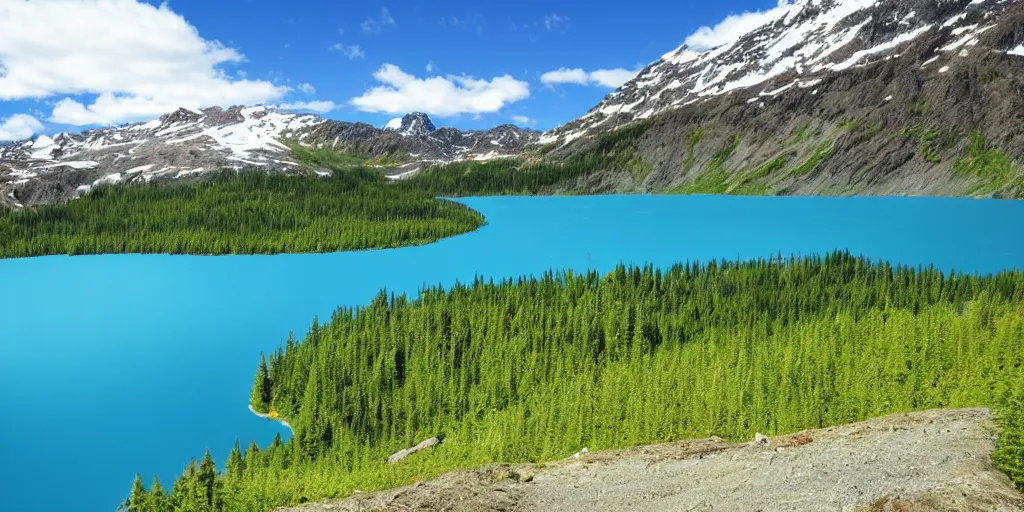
934 460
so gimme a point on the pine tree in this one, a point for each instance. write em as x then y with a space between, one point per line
157 497
260 396
207 477
235 466
139 498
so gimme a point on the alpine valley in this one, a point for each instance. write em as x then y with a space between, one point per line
828 97
510 319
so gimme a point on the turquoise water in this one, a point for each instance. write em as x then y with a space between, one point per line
112 365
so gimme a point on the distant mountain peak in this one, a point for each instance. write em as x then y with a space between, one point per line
416 124
182 115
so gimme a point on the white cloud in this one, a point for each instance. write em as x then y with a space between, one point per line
553 20
19 126
375 25
430 67
307 88
312 106
566 76
351 51
153 63
734 27
441 96
523 120
612 78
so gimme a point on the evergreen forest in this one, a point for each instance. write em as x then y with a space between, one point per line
237 213
534 368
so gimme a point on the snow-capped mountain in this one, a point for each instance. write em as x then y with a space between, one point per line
800 44
189 143
833 97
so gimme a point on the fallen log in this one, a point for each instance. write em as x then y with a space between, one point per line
405 452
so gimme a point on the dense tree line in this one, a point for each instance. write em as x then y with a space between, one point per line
614 151
535 368
254 212
237 213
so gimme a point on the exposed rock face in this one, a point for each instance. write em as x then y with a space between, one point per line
187 144
416 124
885 92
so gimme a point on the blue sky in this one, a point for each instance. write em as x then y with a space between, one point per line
469 64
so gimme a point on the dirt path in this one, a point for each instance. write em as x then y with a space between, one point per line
934 460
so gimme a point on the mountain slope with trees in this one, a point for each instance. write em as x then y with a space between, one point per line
533 369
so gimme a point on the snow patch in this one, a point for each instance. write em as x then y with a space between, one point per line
42 148
1018 51
186 172
404 174
896 41
110 178
141 168
83 164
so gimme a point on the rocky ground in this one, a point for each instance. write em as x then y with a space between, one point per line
927 461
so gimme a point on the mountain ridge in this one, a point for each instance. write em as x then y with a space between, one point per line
937 112
189 143
827 97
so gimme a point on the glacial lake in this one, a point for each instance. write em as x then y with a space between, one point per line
112 365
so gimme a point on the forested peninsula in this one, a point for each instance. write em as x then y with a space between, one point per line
336 202
251 212
534 368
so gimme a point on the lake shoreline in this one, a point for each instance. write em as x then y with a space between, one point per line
267 417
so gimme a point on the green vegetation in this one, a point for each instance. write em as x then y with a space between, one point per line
986 162
709 182
613 151
872 129
1015 190
768 168
821 153
328 158
547 148
691 144
802 134
920 108
533 369
244 213
929 141
750 189
713 179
